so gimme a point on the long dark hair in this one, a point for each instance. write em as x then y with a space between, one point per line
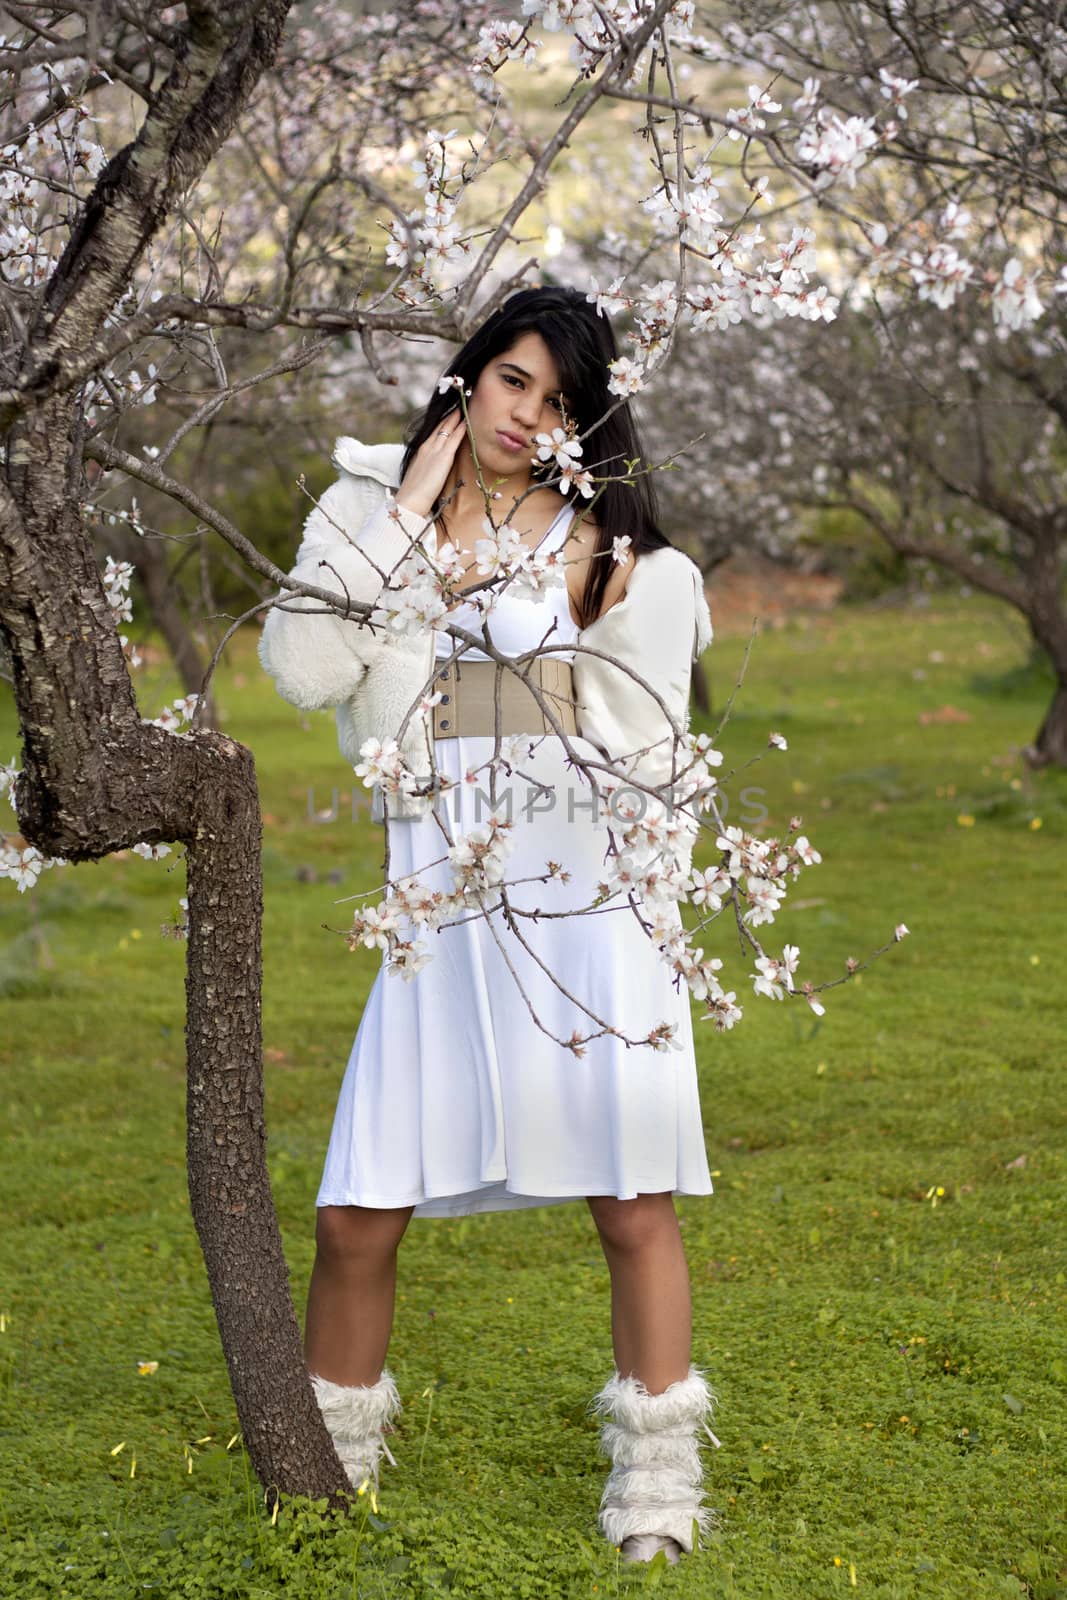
582 344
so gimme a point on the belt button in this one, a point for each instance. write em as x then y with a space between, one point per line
445 722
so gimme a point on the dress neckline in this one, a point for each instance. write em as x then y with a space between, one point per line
566 506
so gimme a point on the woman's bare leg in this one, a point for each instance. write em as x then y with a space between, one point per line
352 1292
651 1310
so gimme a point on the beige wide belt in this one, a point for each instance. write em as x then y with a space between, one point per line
470 689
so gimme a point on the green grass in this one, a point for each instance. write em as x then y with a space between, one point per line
890 1363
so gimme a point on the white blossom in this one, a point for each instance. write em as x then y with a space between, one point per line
501 551
607 301
707 888
940 275
500 41
836 148
409 609
407 959
662 1037
378 761
477 858
716 305
661 300
764 898
766 980
558 446
747 119
8 774
894 89
807 100
627 376
724 1012
539 574
1015 301
574 476
955 221
806 851
372 926
22 863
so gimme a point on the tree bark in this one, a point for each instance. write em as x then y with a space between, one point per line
1044 569
1049 748
95 779
229 1187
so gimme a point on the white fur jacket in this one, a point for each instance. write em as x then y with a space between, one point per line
658 628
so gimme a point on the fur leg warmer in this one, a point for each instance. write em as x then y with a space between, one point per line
656 1478
356 1419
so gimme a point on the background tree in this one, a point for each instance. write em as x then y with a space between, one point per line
926 430
933 407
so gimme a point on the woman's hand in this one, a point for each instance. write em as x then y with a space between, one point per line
428 472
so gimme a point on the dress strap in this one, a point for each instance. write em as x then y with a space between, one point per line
558 527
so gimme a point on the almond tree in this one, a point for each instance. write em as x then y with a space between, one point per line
933 406
953 454
95 777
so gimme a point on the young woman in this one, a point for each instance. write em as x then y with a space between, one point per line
461 1093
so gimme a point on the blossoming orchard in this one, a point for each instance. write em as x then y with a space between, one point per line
205 205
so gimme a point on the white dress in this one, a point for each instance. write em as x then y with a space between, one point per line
454 1100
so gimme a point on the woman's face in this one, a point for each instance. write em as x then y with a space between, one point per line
517 396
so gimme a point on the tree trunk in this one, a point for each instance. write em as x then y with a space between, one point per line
96 778
226 1134
1049 749
1048 629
